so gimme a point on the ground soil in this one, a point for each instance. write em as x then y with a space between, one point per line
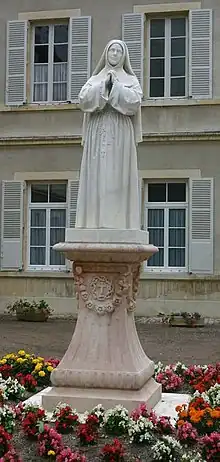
160 342
199 345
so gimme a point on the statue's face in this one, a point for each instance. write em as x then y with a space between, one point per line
115 53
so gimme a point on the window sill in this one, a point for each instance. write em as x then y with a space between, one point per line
179 102
178 275
37 274
75 106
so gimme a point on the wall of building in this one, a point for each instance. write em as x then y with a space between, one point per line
155 294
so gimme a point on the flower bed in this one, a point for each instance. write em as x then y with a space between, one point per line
28 433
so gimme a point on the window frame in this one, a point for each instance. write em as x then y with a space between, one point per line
166 206
167 57
51 25
47 207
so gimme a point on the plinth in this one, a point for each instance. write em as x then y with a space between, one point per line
105 362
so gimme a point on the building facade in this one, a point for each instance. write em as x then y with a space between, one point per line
47 54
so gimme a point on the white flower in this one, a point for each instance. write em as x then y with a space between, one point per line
141 430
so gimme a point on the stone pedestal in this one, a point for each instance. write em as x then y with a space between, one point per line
105 362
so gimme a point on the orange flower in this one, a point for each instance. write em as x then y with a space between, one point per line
209 423
180 423
178 408
215 414
195 418
183 414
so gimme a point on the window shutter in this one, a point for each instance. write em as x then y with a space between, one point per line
133 36
11 225
79 54
201 226
16 61
200 53
73 187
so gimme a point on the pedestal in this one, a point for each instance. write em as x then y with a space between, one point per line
105 362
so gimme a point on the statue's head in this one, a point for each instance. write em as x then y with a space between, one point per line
115 54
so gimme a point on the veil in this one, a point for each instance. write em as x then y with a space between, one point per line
103 67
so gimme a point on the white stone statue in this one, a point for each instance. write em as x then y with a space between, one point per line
111 100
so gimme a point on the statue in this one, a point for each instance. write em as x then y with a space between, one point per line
111 100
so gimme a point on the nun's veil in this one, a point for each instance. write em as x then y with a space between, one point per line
103 67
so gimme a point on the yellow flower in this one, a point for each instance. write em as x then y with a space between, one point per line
41 373
35 361
39 358
21 353
27 356
3 361
38 367
51 453
10 356
20 360
50 368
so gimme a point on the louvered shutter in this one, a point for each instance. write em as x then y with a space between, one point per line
133 36
11 225
200 53
73 187
79 54
16 62
201 226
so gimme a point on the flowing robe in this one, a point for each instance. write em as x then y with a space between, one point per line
109 188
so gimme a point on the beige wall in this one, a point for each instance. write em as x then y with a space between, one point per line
155 295
103 13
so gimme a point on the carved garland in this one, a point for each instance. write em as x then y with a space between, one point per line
105 295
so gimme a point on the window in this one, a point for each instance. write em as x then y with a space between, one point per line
166 220
47 223
50 63
168 57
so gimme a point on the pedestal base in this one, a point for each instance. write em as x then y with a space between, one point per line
84 399
105 362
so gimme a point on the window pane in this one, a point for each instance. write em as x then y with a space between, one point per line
58 218
38 237
38 218
178 66
41 54
157 28
39 192
40 73
57 192
60 92
37 255
56 258
155 218
157 192
61 33
177 218
57 235
176 238
178 87
41 34
157 259
176 192
178 47
157 88
156 237
157 48
178 27
60 54
157 67
176 257
40 92
60 72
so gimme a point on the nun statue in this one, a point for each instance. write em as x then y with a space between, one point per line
111 101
